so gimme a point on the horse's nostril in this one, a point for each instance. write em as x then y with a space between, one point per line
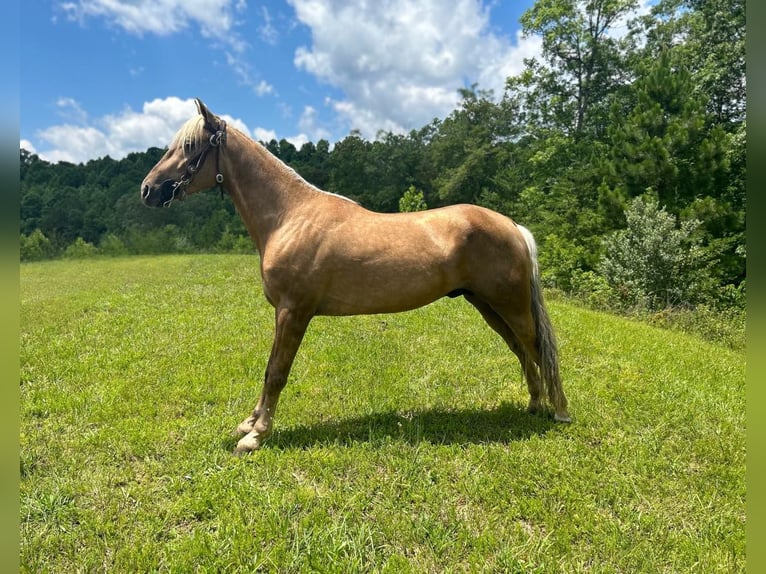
145 191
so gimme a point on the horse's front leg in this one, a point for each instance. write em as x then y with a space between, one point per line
290 328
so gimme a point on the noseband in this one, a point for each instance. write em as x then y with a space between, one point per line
195 164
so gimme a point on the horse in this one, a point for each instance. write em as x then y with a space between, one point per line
324 254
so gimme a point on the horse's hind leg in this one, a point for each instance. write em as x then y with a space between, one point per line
528 366
530 333
290 328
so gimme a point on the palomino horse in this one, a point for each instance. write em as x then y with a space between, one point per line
322 254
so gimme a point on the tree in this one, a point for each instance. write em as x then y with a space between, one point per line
80 249
662 141
583 63
35 246
708 37
350 171
469 146
654 263
412 200
311 162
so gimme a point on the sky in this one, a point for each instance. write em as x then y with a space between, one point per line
110 77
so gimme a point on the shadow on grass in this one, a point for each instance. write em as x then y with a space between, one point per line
503 424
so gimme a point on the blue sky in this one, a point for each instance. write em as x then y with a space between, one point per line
108 77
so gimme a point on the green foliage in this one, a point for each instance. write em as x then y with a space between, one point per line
725 326
570 91
80 249
235 243
470 146
653 263
663 143
166 239
560 262
112 245
412 200
35 246
581 131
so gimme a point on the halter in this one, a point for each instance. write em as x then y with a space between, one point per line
195 164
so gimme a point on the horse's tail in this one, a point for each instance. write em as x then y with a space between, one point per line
547 347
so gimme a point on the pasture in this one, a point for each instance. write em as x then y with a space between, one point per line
400 444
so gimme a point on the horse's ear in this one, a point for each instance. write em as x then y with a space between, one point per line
202 109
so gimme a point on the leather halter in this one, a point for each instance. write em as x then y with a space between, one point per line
195 163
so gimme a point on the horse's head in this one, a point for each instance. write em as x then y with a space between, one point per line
187 166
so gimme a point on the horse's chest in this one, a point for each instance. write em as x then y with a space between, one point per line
288 279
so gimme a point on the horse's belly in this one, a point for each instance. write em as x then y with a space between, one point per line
372 291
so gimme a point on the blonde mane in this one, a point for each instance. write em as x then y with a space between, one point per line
191 134
291 172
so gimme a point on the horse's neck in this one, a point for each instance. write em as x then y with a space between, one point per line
263 189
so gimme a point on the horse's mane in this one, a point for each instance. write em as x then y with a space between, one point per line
292 173
191 134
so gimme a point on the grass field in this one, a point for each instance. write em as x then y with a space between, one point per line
401 443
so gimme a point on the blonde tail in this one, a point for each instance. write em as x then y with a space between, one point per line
547 347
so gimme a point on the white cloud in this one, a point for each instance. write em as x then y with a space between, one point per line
215 18
311 130
264 135
116 135
266 31
309 123
73 143
70 109
243 70
400 63
27 145
298 140
263 88
154 125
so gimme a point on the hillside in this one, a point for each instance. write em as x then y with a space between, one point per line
401 442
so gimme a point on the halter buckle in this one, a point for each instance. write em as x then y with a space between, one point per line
217 138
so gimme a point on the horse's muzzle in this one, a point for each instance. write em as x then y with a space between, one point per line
159 196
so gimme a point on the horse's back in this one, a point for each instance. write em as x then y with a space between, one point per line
345 259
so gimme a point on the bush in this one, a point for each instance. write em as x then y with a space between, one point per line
560 262
112 245
80 249
235 243
35 246
412 200
593 290
167 239
653 263
722 326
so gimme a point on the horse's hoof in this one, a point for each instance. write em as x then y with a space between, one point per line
248 443
533 408
565 418
246 426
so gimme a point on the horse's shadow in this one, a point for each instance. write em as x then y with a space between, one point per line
503 424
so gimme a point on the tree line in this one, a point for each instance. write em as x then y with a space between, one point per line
624 153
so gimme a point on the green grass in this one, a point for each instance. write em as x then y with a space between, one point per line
401 443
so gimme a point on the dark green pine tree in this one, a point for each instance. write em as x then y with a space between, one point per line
660 142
